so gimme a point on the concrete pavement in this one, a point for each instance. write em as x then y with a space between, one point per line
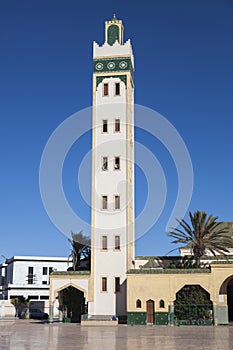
36 335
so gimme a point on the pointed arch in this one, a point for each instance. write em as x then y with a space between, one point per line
70 284
226 294
161 304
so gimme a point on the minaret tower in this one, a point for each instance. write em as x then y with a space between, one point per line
112 172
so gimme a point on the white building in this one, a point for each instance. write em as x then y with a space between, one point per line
28 277
103 289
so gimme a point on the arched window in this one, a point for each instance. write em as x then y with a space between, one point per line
161 304
138 303
113 34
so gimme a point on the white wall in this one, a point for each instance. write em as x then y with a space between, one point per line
21 270
17 280
110 222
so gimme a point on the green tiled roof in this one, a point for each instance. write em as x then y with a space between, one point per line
151 263
167 271
70 273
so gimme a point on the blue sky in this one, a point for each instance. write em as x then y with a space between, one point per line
183 59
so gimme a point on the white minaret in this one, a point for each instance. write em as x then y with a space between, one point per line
112 172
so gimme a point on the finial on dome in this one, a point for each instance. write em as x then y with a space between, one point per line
114 17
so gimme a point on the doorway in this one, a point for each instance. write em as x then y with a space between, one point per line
230 300
150 312
72 303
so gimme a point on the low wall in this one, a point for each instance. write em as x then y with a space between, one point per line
6 309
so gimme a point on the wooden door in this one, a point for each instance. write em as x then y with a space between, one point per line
150 309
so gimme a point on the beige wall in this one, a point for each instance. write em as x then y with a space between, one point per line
59 282
165 286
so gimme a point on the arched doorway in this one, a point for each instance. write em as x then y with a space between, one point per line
193 306
230 299
150 312
72 303
226 293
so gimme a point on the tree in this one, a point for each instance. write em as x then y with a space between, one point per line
193 301
21 304
27 305
80 249
16 302
204 234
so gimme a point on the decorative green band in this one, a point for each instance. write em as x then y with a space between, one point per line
139 318
70 273
100 79
120 64
168 271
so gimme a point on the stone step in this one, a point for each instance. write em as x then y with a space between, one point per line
99 322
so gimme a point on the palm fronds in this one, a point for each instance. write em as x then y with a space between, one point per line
204 234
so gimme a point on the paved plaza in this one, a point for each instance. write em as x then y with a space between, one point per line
36 335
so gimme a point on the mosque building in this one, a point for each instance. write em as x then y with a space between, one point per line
120 287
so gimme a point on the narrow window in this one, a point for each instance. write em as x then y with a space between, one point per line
117 125
50 270
45 270
104 284
117 163
117 284
104 242
105 89
161 304
117 202
117 89
117 243
30 275
104 202
105 125
44 282
105 163
138 304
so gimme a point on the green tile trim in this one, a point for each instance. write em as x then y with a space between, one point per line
179 258
161 318
137 318
70 273
166 271
119 64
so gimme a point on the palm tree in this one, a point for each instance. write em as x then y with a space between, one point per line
204 234
80 249
21 304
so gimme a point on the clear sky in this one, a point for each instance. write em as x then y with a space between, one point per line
183 70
